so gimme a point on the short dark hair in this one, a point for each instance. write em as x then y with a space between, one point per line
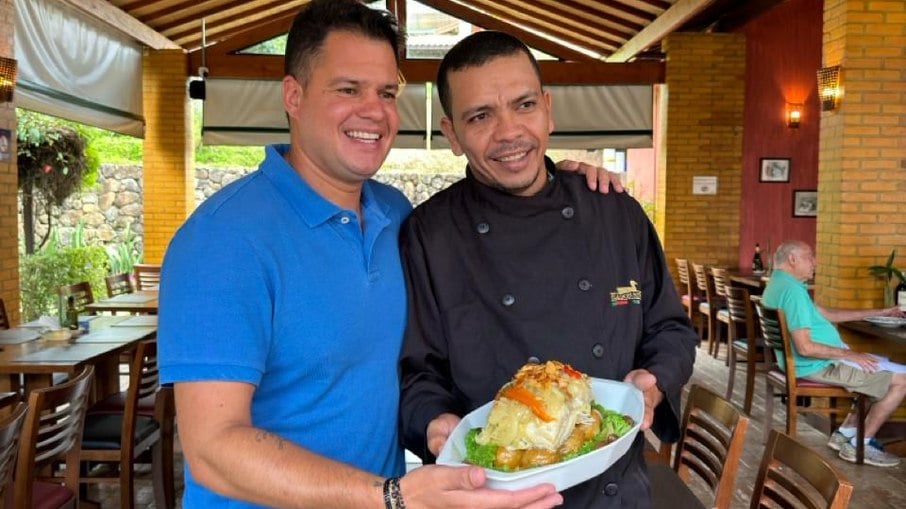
473 51
321 17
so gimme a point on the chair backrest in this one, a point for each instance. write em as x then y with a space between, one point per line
711 441
682 270
80 291
739 307
10 427
147 276
792 475
721 280
4 318
52 432
775 334
701 277
118 284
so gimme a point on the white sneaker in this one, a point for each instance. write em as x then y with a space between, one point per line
873 455
837 440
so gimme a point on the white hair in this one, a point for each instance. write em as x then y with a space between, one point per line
782 255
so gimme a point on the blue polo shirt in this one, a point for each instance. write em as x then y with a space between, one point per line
269 284
791 295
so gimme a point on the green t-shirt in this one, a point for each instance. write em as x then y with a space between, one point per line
791 295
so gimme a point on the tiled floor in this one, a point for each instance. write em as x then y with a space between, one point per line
875 488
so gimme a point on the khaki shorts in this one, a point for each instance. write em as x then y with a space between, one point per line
874 385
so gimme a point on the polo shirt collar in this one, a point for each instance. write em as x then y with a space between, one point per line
313 208
787 277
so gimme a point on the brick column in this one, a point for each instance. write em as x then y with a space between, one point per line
168 172
862 154
701 118
9 214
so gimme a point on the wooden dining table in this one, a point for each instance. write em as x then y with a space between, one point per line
139 302
27 357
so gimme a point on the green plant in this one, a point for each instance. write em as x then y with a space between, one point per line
887 271
43 272
124 256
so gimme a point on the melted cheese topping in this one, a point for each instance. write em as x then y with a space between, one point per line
539 408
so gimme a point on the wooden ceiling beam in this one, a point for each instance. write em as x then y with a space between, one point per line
624 33
122 22
489 22
671 19
547 22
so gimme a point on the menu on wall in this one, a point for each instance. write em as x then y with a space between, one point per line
704 184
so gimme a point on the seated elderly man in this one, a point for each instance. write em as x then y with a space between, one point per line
821 355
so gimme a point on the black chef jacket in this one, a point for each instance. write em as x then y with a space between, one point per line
495 280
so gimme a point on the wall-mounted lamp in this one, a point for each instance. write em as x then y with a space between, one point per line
7 79
793 115
829 89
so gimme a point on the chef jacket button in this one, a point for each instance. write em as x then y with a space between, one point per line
534 360
597 350
611 489
483 228
567 212
508 300
584 285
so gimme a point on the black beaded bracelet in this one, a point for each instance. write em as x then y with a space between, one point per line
393 497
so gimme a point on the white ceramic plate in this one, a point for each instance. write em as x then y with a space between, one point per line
618 396
886 321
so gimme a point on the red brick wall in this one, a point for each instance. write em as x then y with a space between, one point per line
9 216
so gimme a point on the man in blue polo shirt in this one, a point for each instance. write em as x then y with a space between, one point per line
821 355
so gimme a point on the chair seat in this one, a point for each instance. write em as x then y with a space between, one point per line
115 403
104 431
723 315
779 377
741 345
705 308
46 495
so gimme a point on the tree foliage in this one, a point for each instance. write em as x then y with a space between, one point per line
54 161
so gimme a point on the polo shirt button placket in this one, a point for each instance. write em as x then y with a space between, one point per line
344 219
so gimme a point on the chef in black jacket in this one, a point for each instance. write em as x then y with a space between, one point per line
519 262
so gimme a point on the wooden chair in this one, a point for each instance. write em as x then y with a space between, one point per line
4 318
709 304
711 440
687 296
10 428
721 284
792 475
798 392
116 431
147 276
52 432
749 348
118 284
81 292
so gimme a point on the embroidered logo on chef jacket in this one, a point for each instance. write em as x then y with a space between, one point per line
623 295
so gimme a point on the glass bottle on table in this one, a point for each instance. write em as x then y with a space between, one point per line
72 314
757 264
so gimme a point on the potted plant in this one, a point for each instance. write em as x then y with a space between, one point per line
887 273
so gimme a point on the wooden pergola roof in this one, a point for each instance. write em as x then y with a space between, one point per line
587 32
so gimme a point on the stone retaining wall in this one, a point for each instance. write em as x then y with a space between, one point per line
114 207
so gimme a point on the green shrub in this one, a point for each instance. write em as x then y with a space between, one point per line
123 256
43 272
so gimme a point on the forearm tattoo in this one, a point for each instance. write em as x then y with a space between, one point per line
267 436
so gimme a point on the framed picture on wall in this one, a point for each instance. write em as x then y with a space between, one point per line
774 169
805 203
